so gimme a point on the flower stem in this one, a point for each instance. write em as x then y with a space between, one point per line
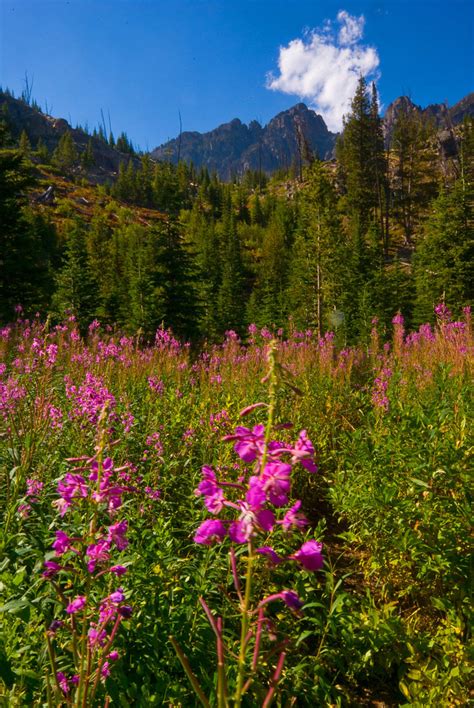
244 608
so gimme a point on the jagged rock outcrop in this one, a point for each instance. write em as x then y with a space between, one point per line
443 117
234 147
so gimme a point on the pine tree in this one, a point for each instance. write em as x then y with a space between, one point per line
268 306
24 144
87 157
15 256
379 165
106 266
363 175
144 307
444 259
42 152
318 277
65 155
76 291
362 162
201 234
413 178
230 297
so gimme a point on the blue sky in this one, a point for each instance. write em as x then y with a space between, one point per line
144 61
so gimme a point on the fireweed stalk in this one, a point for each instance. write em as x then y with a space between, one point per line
84 575
257 500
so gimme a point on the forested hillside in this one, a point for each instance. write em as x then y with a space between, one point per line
324 245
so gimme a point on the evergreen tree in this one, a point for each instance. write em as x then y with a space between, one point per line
123 144
362 162
201 234
362 173
178 280
42 152
144 306
379 166
444 259
65 155
230 296
76 291
144 182
26 248
24 144
268 305
413 179
106 265
318 275
87 157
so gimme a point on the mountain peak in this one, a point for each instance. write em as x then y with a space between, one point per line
232 148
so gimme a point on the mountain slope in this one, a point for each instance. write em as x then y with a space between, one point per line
234 147
20 116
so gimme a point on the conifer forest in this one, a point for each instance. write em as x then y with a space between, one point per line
236 421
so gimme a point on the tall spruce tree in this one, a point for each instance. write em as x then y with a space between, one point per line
65 155
231 300
319 256
27 244
444 260
363 175
76 291
413 174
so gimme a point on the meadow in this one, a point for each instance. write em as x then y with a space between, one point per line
282 521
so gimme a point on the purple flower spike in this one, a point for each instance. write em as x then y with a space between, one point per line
210 531
118 570
117 534
270 554
215 502
52 569
62 544
276 482
76 605
53 627
237 532
289 597
125 611
209 485
294 517
62 681
249 442
97 552
117 596
303 452
310 555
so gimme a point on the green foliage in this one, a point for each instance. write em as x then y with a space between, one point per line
65 155
388 618
76 291
445 257
27 241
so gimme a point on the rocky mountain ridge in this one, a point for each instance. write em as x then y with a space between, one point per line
231 148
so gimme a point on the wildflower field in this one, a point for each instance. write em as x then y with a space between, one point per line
277 521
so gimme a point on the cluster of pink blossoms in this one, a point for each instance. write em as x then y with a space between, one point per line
90 553
89 398
260 496
33 491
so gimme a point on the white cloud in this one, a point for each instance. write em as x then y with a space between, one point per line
352 28
323 67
